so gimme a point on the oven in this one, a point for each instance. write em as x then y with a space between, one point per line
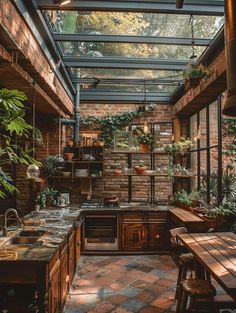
100 232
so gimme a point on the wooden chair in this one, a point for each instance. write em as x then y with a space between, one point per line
184 261
196 289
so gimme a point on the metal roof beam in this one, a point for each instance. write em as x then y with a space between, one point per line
136 82
128 97
131 39
190 7
126 63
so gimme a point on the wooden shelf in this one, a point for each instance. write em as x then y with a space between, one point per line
140 152
74 177
85 161
157 175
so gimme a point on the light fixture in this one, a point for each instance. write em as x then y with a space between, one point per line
95 83
33 171
145 126
61 2
179 4
193 56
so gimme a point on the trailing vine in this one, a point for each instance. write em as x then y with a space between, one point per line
112 123
229 128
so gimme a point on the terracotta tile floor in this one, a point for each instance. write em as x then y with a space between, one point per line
123 284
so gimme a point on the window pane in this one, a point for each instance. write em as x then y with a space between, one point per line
129 23
129 50
213 111
127 87
193 131
202 131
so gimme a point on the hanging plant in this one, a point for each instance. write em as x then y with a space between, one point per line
113 123
229 130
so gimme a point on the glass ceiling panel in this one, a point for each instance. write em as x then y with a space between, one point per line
125 73
127 87
129 50
135 24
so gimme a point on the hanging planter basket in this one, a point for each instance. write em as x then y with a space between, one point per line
191 83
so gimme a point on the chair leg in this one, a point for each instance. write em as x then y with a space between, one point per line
184 302
179 279
180 293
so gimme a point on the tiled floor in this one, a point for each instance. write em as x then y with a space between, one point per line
124 284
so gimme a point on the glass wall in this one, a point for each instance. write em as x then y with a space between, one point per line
206 152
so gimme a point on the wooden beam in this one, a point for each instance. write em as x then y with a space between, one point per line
12 76
206 92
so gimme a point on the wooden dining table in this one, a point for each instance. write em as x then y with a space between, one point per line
216 253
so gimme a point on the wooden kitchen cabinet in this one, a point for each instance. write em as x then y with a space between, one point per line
77 245
71 251
64 275
144 231
132 236
54 289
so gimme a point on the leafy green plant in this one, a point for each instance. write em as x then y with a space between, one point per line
187 198
46 196
146 138
179 147
12 125
113 123
194 72
51 164
141 163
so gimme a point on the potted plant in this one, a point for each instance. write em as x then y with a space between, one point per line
46 197
179 147
193 74
51 165
146 140
187 200
141 168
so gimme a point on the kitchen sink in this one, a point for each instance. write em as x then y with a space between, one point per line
32 233
22 240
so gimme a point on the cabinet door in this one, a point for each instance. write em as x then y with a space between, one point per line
133 236
77 245
64 275
157 237
54 291
72 256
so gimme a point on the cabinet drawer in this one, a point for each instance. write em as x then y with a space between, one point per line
134 218
157 217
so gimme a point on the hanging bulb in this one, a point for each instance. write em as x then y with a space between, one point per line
145 127
33 171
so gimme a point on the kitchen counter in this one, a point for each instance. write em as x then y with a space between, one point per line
57 223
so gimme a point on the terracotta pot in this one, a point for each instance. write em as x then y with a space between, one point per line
70 143
99 143
69 156
140 170
118 172
144 147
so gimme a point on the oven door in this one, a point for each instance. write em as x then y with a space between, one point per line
100 232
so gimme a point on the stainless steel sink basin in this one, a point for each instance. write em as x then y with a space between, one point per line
32 233
22 240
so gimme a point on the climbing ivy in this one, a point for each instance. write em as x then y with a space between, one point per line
229 129
112 123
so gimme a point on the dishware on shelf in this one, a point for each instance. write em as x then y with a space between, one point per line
66 174
69 156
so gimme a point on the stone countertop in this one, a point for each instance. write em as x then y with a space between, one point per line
57 223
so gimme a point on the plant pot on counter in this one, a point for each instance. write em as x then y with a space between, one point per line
140 170
69 156
144 147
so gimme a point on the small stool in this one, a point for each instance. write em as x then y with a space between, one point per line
185 262
195 289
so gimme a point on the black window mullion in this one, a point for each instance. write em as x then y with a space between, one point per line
220 169
198 154
208 153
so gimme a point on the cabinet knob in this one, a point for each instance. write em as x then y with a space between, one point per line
157 236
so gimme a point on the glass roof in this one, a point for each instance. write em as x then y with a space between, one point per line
88 40
135 24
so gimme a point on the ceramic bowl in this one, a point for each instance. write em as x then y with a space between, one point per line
66 174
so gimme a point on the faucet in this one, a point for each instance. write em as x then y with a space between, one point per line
10 211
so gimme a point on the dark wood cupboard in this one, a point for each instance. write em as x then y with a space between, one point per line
54 289
64 275
77 245
144 231
71 248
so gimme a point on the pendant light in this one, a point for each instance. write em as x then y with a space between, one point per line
33 171
193 56
145 125
60 157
